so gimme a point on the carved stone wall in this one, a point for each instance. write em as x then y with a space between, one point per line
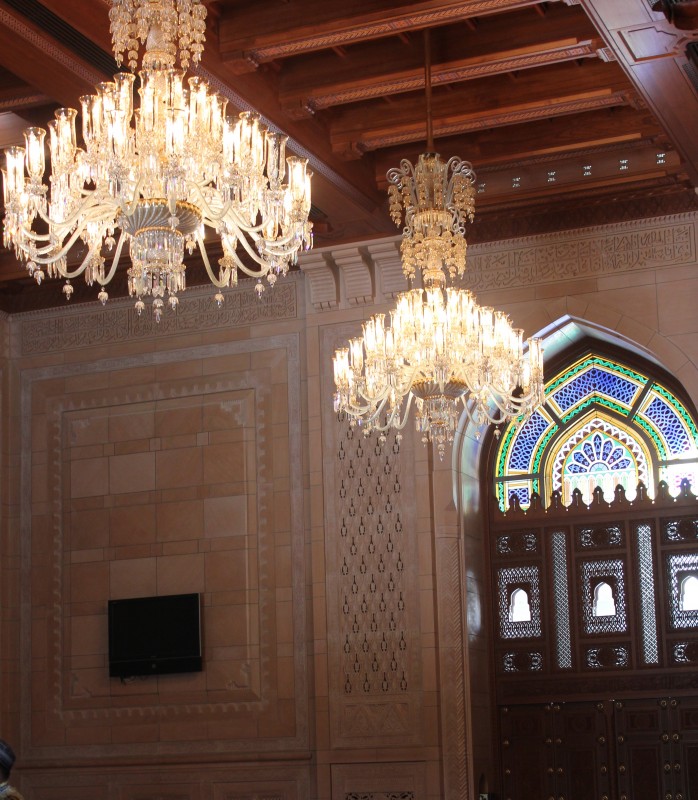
373 610
160 461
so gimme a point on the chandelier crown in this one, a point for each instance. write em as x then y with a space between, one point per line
167 28
432 200
161 173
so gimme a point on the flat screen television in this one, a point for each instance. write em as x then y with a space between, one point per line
155 635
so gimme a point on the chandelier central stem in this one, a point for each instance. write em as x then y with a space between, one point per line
427 89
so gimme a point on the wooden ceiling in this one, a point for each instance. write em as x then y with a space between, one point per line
572 112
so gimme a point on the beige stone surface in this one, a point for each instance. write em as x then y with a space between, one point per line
207 459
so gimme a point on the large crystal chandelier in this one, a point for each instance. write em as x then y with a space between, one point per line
440 351
445 354
158 174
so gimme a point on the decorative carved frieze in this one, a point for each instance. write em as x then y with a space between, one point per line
51 331
545 258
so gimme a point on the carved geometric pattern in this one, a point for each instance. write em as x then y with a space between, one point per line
592 573
518 542
680 530
670 420
509 579
596 379
561 591
648 600
521 493
600 536
679 566
374 631
120 322
685 652
626 475
522 661
527 437
599 448
607 657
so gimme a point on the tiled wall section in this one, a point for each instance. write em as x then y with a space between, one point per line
154 470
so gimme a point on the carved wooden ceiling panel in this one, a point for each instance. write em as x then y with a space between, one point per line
567 109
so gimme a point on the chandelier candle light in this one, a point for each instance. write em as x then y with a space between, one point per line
441 351
444 353
160 173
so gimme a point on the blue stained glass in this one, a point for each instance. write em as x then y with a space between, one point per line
598 454
578 469
669 425
662 422
526 440
595 381
522 493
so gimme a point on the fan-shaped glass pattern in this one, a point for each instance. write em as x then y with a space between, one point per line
603 424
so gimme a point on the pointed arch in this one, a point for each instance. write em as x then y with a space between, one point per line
605 422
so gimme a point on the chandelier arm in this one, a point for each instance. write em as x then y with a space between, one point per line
64 273
276 246
82 209
207 212
400 424
219 284
252 254
114 263
127 209
228 210
40 258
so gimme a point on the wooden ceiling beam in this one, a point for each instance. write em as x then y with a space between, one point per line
573 135
299 103
26 52
652 53
263 31
385 67
489 103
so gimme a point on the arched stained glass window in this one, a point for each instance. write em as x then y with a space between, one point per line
604 424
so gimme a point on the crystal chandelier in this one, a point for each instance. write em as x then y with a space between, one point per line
441 351
159 174
435 198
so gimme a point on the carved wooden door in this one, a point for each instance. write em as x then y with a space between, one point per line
556 751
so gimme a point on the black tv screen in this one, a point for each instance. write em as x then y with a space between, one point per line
154 635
